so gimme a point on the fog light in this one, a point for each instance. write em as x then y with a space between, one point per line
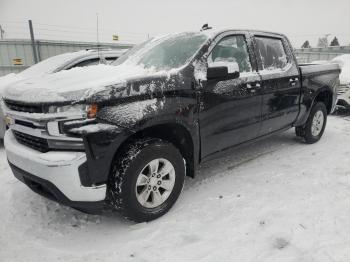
9 121
53 129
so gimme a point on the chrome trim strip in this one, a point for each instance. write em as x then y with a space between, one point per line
42 133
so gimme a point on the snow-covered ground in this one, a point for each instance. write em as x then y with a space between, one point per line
275 200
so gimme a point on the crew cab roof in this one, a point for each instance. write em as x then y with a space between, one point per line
215 32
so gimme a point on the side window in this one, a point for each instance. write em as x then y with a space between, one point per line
232 52
89 62
111 59
271 53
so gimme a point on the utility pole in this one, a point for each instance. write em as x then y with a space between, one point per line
2 32
97 37
35 55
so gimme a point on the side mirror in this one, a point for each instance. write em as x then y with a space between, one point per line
217 72
221 72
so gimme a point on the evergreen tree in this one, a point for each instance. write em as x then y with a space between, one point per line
335 42
306 44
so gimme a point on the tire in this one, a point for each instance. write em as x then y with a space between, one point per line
315 125
132 168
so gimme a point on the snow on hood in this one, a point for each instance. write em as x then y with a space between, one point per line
344 63
74 84
46 66
7 80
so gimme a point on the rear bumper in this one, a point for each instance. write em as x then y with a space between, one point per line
54 174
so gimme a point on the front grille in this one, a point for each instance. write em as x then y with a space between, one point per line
23 107
33 142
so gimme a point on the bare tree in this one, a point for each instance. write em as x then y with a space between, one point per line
323 42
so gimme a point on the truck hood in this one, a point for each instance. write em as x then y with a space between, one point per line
77 84
7 80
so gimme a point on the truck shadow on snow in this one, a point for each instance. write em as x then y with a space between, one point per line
243 155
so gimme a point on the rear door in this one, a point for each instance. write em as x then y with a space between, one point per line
230 109
280 82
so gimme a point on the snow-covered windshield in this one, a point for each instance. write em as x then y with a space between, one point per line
164 53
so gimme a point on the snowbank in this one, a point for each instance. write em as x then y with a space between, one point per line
344 62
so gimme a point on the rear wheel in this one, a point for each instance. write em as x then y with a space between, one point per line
146 180
315 125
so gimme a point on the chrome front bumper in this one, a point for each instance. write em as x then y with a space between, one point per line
58 167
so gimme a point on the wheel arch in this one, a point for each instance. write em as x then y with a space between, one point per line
325 96
175 133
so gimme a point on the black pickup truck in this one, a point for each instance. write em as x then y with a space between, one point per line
124 136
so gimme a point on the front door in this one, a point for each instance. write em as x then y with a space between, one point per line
230 109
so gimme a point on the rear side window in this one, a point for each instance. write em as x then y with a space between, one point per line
90 62
111 59
271 53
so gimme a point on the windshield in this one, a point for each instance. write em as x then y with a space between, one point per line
164 53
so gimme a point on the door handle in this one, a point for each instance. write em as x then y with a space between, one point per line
293 82
249 86
253 86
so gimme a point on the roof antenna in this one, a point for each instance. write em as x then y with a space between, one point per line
206 27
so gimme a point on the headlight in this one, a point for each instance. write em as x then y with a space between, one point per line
68 108
89 110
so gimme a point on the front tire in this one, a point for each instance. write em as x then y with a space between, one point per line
146 179
315 125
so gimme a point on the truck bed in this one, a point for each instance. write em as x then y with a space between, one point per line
316 69
314 79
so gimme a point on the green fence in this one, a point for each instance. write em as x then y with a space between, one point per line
307 55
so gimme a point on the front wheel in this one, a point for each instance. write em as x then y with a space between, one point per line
315 125
146 179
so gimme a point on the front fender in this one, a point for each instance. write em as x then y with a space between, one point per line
115 124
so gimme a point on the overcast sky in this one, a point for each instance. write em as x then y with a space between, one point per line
134 20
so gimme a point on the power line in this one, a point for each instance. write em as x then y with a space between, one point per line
75 28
